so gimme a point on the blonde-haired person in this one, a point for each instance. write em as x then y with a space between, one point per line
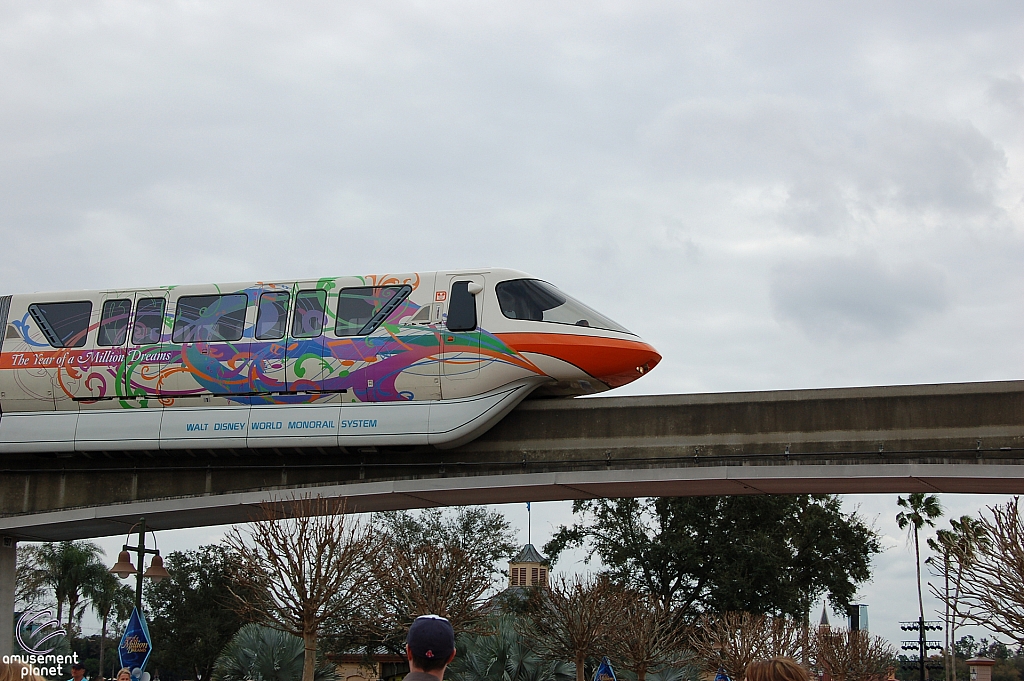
776 669
15 671
124 675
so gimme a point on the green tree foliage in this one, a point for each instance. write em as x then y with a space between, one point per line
258 653
29 584
504 655
192 613
485 536
762 554
69 568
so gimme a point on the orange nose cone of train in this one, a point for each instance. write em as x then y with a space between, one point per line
612 361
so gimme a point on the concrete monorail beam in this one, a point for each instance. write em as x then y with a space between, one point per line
966 438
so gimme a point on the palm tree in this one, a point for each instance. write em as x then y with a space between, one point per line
504 655
258 653
920 510
957 548
109 597
943 544
67 568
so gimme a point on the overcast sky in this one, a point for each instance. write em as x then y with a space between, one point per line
775 195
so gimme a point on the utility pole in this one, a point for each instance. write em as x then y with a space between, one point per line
922 645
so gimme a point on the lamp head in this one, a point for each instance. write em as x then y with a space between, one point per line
156 570
123 568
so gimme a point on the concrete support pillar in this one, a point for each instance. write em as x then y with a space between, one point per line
8 569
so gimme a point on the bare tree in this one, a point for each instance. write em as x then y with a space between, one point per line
310 568
437 562
992 582
648 636
852 655
428 579
572 619
732 640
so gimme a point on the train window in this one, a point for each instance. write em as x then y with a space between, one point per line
210 318
461 308
308 317
272 319
539 301
114 322
362 309
65 325
149 321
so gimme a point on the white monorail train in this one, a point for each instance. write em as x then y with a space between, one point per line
409 359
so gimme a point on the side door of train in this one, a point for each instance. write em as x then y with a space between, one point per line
287 350
149 349
99 373
111 415
304 352
290 407
268 351
143 349
463 296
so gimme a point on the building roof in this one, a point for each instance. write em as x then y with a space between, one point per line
529 555
824 617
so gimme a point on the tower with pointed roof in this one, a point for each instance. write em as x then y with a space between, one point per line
529 568
824 625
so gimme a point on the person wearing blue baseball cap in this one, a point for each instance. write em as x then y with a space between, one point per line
77 672
430 647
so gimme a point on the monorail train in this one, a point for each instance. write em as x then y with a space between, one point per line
430 358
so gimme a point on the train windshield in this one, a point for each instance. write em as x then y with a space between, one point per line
539 301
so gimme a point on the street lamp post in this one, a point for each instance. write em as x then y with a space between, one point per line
124 568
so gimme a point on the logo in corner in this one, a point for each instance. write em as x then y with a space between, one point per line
33 635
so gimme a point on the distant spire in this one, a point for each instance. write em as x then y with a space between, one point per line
824 618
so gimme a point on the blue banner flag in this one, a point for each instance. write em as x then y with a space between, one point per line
721 675
527 505
135 648
604 671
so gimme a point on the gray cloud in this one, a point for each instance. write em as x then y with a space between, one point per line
833 170
850 298
1009 92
